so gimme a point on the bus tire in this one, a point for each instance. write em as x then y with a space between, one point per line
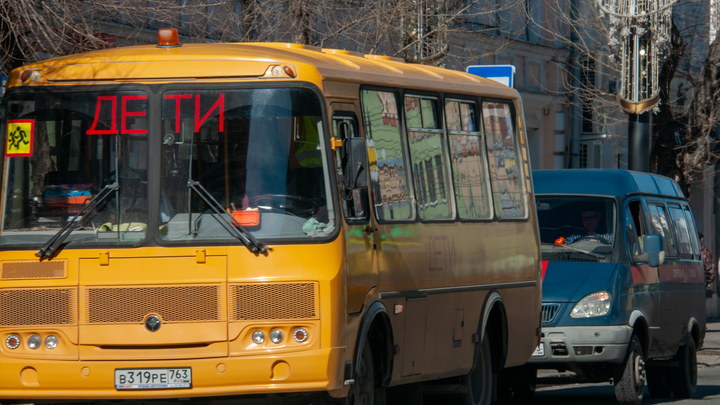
478 384
658 381
630 377
363 389
684 375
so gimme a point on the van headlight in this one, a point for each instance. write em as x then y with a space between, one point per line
595 304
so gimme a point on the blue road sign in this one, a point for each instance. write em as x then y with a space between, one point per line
504 74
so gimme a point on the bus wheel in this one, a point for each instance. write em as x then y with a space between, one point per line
630 379
658 381
477 385
363 390
684 375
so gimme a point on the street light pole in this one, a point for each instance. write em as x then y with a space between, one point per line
639 131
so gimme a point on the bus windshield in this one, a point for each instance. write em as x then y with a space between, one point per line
256 153
583 222
62 149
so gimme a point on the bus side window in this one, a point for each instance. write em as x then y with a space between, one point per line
661 224
693 232
354 201
503 159
388 164
634 227
681 231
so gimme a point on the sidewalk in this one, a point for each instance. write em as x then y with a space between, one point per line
709 355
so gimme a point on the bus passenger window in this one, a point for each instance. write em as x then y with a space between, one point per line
661 225
503 160
681 230
468 160
354 201
425 140
634 227
388 169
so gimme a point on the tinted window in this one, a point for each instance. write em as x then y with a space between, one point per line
661 225
503 160
388 169
681 230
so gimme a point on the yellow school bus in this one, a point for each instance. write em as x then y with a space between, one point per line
187 221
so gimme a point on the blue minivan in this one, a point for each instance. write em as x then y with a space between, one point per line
623 283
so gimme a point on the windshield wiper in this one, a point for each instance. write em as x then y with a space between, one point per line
595 255
51 245
226 220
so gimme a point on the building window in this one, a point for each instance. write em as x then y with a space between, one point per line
587 87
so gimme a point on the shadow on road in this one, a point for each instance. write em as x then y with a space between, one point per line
596 394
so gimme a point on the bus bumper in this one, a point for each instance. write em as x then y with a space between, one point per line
580 344
307 371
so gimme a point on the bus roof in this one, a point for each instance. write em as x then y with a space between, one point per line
617 183
238 61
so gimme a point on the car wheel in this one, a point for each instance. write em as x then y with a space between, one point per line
630 378
477 385
684 375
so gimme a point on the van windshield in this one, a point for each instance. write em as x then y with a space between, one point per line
581 222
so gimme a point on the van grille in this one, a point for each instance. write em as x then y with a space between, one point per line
272 301
34 269
40 306
549 311
133 304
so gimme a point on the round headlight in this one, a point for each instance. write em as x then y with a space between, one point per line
12 341
258 336
51 341
300 335
34 342
276 336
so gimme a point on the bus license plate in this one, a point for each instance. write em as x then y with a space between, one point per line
540 350
153 378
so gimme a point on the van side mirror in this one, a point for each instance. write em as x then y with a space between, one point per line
354 162
652 252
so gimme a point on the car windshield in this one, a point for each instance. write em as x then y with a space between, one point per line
256 153
61 150
578 222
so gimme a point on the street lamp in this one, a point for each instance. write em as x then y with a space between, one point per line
638 35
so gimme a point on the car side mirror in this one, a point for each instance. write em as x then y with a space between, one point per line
354 163
652 253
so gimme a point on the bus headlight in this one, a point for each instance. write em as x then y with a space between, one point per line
12 341
258 337
595 304
51 341
276 336
34 342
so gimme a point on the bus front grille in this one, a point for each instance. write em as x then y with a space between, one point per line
132 304
272 301
549 311
37 306
33 269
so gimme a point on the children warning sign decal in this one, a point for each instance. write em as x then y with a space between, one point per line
19 138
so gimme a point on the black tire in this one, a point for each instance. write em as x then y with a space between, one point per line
684 375
658 381
477 385
630 378
363 390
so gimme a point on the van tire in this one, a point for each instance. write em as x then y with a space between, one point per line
684 375
479 383
658 381
630 377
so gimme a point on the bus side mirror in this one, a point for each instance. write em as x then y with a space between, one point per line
652 252
354 163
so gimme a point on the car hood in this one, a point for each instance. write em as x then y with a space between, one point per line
571 281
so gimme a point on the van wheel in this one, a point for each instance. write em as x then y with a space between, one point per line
630 379
658 381
363 390
477 386
684 375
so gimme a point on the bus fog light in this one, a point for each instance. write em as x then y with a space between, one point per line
277 71
276 336
12 341
34 342
258 336
300 335
51 341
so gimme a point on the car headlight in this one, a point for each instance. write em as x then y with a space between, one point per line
595 304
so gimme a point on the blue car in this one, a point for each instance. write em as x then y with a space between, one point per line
623 283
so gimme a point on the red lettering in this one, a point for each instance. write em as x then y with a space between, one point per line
199 122
177 97
126 114
113 126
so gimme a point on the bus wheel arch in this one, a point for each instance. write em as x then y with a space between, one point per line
377 331
494 322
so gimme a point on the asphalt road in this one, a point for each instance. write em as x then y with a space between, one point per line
708 392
